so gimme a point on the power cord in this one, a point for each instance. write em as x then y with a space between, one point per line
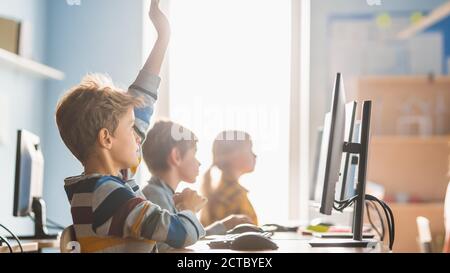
389 218
14 236
3 239
341 205
52 225
370 204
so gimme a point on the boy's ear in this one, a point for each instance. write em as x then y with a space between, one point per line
174 157
104 138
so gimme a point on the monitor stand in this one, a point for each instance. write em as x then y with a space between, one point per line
362 150
367 243
40 218
337 235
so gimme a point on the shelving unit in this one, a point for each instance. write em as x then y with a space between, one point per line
27 65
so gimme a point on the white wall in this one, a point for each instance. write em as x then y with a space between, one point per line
22 102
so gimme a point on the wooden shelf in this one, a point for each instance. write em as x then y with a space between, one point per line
435 16
28 65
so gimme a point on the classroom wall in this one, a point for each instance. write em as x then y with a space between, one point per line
97 36
22 103
321 10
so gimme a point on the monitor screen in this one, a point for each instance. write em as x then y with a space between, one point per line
29 172
334 139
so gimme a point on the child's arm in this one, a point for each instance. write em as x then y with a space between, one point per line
162 26
147 82
118 212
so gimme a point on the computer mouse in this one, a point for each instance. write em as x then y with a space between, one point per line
245 228
253 241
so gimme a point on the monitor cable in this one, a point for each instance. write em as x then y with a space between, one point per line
14 236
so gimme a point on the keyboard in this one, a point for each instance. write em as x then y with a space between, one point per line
225 243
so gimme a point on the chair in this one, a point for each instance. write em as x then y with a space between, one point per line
425 242
68 243
447 221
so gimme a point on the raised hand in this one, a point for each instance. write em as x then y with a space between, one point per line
159 20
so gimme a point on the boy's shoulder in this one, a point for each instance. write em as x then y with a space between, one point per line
154 187
158 193
90 183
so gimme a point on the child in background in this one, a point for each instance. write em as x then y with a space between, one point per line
233 156
171 160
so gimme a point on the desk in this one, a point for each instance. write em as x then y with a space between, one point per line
288 242
27 247
31 245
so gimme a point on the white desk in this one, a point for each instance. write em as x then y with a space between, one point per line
288 242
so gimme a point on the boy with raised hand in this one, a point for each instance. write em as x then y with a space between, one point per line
103 127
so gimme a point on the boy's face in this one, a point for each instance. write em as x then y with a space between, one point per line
189 166
125 148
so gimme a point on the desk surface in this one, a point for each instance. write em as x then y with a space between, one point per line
27 247
288 242
30 245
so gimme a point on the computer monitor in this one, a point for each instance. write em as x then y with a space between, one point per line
345 185
334 139
337 138
346 173
29 177
315 168
321 160
347 189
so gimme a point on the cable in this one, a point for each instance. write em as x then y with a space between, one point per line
52 225
389 218
391 224
2 239
344 203
387 211
371 223
383 230
369 205
14 236
55 224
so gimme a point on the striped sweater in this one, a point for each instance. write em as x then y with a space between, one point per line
112 215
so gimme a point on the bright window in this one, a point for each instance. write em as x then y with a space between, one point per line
230 69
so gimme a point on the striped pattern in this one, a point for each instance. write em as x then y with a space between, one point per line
229 198
110 214
161 194
145 86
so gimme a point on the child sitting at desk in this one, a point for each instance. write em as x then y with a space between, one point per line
233 156
171 159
